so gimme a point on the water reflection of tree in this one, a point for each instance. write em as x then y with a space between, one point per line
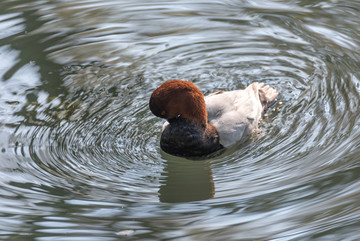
67 86
32 48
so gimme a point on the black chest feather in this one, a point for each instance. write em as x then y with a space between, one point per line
186 138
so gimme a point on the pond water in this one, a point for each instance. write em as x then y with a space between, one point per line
79 147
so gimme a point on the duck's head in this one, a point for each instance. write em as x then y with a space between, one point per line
182 104
177 98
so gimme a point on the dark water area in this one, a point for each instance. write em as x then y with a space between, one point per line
79 149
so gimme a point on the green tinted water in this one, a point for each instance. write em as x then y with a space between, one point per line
80 156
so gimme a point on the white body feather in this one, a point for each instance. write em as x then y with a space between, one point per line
235 114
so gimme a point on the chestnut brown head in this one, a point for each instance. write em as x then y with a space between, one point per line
177 98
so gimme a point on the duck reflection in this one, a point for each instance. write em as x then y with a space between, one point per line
186 180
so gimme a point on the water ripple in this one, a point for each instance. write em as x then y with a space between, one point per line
80 149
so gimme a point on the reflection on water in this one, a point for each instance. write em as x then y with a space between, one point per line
79 148
185 181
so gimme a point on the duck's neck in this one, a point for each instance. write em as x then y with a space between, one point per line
190 106
186 137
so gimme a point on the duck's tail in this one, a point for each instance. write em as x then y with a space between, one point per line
267 95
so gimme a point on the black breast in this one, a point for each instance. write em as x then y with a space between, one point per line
189 139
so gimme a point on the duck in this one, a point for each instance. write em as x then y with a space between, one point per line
198 125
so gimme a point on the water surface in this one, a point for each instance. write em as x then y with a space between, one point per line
79 148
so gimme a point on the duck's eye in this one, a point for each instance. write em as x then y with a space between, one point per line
163 112
178 116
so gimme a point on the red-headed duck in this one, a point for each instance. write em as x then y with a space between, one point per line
198 125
